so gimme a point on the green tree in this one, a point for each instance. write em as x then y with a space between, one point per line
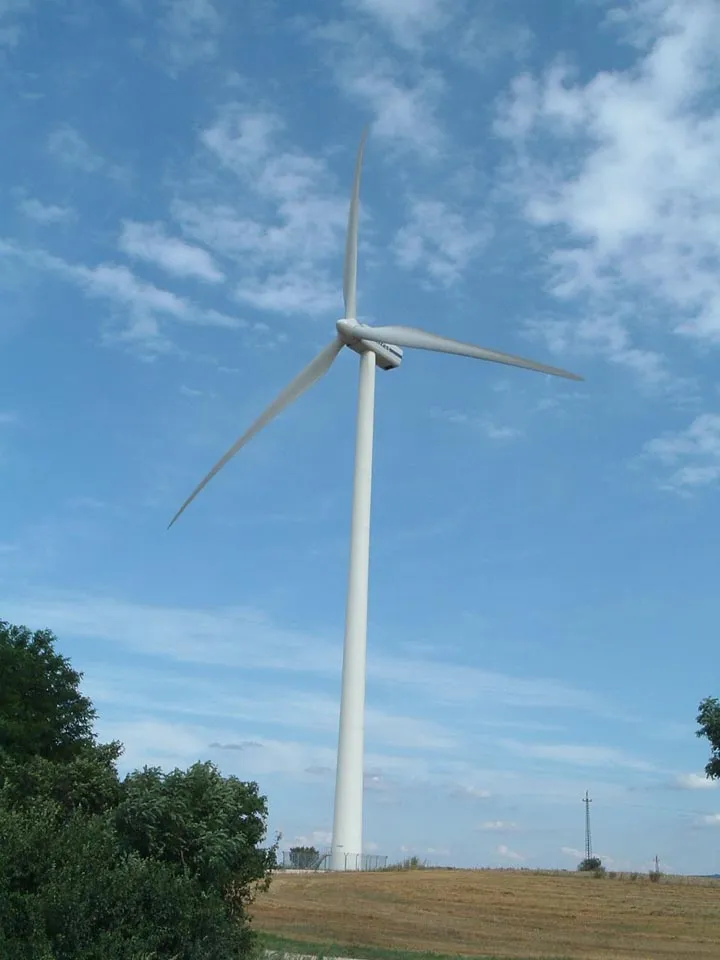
708 719
68 891
42 712
91 867
203 824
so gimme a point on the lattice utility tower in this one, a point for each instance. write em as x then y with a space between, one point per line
588 836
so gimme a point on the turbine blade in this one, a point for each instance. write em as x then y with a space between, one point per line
420 340
351 240
302 382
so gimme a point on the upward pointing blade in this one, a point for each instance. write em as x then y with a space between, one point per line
302 382
420 340
351 240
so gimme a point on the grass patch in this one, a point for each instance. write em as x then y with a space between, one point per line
268 941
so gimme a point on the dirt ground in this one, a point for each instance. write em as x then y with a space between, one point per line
498 913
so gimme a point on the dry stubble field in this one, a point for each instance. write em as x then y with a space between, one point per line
497 913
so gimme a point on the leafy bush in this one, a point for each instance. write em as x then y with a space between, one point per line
591 865
206 825
92 868
70 892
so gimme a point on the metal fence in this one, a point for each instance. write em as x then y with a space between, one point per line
305 859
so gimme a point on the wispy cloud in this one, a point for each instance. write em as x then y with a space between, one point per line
145 305
170 743
233 636
403 96
507 854
313 713
440 241
694 781
150 242
190 30
408 21
44 212
572 852
485 38
605 335
244 745
68 145
628 195
290 225
461 791
576 755
484 424
693 454
496 826
710 820
11 21
318 839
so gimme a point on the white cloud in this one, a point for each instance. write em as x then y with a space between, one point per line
150 242
44 212
572 852
494 826
710 820
152 741
606 335
440 241
509 854
487 37
492 430
405 108
288 228
145 304
191 391
403 97
7 416
11 27
190 31
694 781
244 636
408 21
318 838
473 793
310 712
575 754
693 452
621 171
69 146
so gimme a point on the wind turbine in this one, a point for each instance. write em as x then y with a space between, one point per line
377 346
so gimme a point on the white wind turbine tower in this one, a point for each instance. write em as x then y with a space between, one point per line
377 346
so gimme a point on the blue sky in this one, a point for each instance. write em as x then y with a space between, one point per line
539 179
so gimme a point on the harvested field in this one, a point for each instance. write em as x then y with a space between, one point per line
497 913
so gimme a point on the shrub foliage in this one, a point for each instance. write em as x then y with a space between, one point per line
93 867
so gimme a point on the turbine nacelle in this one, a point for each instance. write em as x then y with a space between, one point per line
387 355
